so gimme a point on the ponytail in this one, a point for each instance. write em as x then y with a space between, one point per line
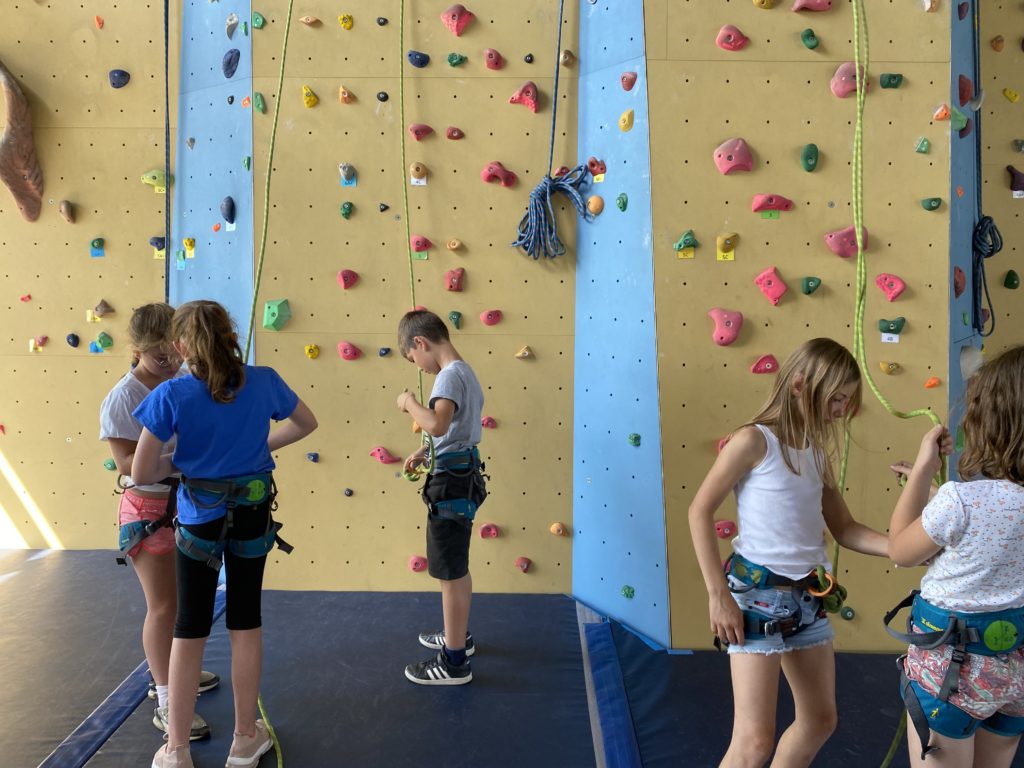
214 356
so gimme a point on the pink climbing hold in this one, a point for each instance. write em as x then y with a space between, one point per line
731 39
526 95
456 17
419 130
561 170
417 563
496 171
727 325
733 155
771 203
725 529
490 316
349 351
959 282
891 285
843 242
453 279
419 243
493 59
844 81
812 5
523 563
453 133
347 278
765 364
384 456
628 80
596 167
489 422
489 531
771 285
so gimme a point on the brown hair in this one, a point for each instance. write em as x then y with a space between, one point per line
824 367
149 327
214 356
420 322
994 420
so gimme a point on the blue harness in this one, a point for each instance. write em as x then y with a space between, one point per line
754 576
460 465
130 535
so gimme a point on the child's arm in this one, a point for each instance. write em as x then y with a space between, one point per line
294 428
148 465
847 531
123 450
909 544
741 454
435 420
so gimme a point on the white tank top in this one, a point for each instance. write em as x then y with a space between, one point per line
780 522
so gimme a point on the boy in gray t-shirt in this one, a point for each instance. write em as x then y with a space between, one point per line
453 490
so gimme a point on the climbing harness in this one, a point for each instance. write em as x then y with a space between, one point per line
426 464
457 486
134 533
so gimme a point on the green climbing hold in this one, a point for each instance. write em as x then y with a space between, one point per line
892 326
104 340
455 59
110 464
957 119
622 201
455 318
258 20
931 203
809 285
687 240
258 103
634 439
96 242
923 145
890 80
346 209
809 39
276 313
247 162
966 318
847 612
628 592
245 28
958 443
809 157
1011 281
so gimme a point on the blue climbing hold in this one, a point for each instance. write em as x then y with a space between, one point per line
384 351
119 78
157 242
230 62
72 339
418 59
227 209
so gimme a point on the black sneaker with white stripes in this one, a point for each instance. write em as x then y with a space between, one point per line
435 641
437 671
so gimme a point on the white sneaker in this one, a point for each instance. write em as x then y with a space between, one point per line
246 751
200 730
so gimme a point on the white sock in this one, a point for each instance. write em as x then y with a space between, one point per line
161 695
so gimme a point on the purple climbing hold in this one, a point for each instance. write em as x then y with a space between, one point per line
119 78
227 209
157 242
1016 179
230 62
733 155
961 10
418 59
966 130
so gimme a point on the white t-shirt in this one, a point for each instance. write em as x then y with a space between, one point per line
116 419
780 522
980 526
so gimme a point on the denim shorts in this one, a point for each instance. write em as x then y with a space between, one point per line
782 602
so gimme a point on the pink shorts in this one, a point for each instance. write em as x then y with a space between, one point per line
134 508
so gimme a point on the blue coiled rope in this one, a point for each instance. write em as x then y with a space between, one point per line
986 242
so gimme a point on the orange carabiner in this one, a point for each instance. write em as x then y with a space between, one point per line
828 590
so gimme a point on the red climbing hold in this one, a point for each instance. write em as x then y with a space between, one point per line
731 39
417 563
771 285
843 242
523 563
456 17
727 325
844 81
26 297
490 316
733 155
891 285
959 282
453 279
771 203
496 171
526 95
812 5
98 21
384 456
453 133
419 243
765 364
419 130
489 422
489 531
347 278
628 80
725 529
965 89
349 351
597 167
493 59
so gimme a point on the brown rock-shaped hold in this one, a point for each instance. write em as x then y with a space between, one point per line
526 95
453 279
19 166
997 43
67 211
628 80
103 308
345 96
523 563
567 58
965 89
453 133
419 130
456 17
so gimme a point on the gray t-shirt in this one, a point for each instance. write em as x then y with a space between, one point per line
457 382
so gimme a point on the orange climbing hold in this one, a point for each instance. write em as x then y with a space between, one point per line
941 112
932 383
559 529
98 21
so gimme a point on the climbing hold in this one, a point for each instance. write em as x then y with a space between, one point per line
493 59
109 464
809 157
382 21
771 203
733 155
725 529
727 325
67 211
103 308
345 209
964 90
528 58
231 99
525 353
347 278
558 529
764 4
259 103
246 101
313 456
634 439
310 21
595 204
959 282
957 119
997 43
453 133
456 17
961 10
312 351
382 96
628 80
809 285
932 383
96 247
626 121
157 178
489 531
523 564
346 21
596 167
453 279
418 171
216 227
731 39
891 285
229 63
490 316
1016 179
345 96
727 243
72 340
567 58
104 340
157 242
628 592
227 209
26 297
843 242
419 243
98 21
941 112
419 130
118 78
812 5
892 326
496 171
418 59
456 59
489 422
809 39
922 146
1011 280
455 318
1012 95
526 95
383 351
454 244
309 99
765 364
844 81
847 613
258 20
622 201
417 563
276 313
349 351
931 203
771 285
561 170
890 80
888 368
347 172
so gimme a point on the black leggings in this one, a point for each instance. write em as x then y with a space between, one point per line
197 582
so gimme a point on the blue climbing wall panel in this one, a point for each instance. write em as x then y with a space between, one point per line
618 499
213 168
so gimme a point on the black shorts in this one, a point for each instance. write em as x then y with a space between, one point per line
448 547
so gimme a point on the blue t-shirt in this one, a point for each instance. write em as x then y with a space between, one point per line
217 440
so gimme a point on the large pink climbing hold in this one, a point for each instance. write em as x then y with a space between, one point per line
771 285
771 203
526 95
454 133
453 279
844 81
384 456
493 59
725 529
812 5
496 171
843 242
891 285
490 316
765 364
419 130
347 278
419 243
489 531
733 155
628 80
417 563
489 422
349 351
727 325
456 17
731 39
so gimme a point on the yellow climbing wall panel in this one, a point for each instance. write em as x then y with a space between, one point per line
775 94
364 541
1001 124
94 143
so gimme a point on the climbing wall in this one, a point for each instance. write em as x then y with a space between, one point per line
94 142
774 92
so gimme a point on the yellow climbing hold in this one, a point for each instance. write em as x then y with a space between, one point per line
524 353
309 99
765 4
312 351
888 368
626 120
1011 94
346 20
727 242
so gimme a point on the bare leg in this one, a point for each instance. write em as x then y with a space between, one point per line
994 751
952 753
246 667
186 664
811 674
755 691
156 575
455 599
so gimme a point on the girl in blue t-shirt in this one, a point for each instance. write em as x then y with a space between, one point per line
220 417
